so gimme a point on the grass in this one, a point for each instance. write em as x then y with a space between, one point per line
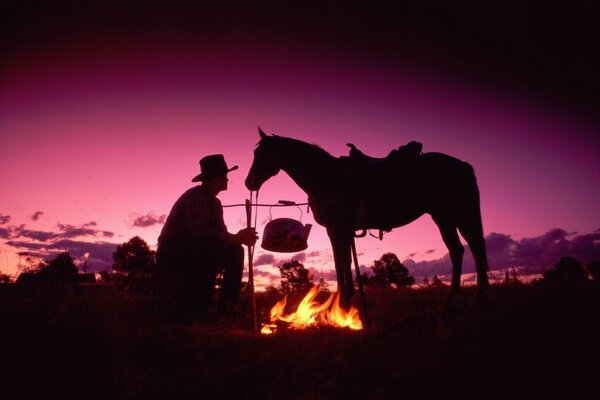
94 341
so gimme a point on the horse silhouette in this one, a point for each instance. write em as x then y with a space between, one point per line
348 194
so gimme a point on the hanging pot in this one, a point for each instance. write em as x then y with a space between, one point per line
285 235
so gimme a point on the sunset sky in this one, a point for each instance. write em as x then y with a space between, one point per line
105 113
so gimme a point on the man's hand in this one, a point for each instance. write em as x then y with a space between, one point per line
247 236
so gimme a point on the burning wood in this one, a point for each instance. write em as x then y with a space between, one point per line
312 313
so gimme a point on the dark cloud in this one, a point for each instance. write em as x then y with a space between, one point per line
36 215
145 221
300 257
42 236
534 253
272 274
4 219
5 233
498 242
65 231
48 244
71 231
264 259
328 275
440 266
314 254
99 254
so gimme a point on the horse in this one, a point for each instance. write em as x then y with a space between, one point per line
349 195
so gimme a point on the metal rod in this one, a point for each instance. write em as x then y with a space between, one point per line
360 286
250 269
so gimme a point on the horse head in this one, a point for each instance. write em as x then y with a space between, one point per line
266 163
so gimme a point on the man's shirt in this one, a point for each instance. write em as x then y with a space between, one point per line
195 215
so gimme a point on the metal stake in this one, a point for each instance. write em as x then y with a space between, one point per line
360 286
250 270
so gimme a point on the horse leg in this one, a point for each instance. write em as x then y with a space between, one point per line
341 244
473 233
456 250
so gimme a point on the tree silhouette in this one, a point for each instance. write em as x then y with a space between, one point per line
134 257
60 269
294 276
31 263
389 271
436 283
323 285
567 269
594 270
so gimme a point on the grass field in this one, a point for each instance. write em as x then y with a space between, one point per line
538 341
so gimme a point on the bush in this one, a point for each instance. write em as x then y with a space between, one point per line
567 269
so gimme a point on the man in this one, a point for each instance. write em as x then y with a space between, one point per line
195 242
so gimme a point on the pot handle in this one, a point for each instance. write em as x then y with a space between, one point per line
285 203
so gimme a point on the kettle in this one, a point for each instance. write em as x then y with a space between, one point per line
285 235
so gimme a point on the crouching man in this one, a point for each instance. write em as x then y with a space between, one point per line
195 242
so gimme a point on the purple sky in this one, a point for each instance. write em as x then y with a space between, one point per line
105 112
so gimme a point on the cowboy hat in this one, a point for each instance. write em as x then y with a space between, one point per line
212 166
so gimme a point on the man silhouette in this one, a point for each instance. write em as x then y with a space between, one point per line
195 242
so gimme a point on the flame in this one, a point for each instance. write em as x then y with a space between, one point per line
311 313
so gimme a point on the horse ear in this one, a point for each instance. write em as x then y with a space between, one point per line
261 133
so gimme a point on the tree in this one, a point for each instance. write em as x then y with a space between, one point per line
134 257
31 264
594 270
272 289
60 269
436 283
567 269
389 271
323 285
294 276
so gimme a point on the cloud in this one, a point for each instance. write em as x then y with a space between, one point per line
270 274
145 221
536 253
71 231
300 257
36 215
48 244
4 219
328 274
65 231
549 248
42 236
99 253
264 259
498 242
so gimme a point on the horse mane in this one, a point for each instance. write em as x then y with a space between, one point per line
309 148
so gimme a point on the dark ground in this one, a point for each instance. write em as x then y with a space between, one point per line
535 341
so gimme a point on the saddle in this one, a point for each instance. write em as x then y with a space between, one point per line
375 178
402 155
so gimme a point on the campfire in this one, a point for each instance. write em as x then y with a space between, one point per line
311 313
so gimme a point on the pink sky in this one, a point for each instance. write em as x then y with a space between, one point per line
96 136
